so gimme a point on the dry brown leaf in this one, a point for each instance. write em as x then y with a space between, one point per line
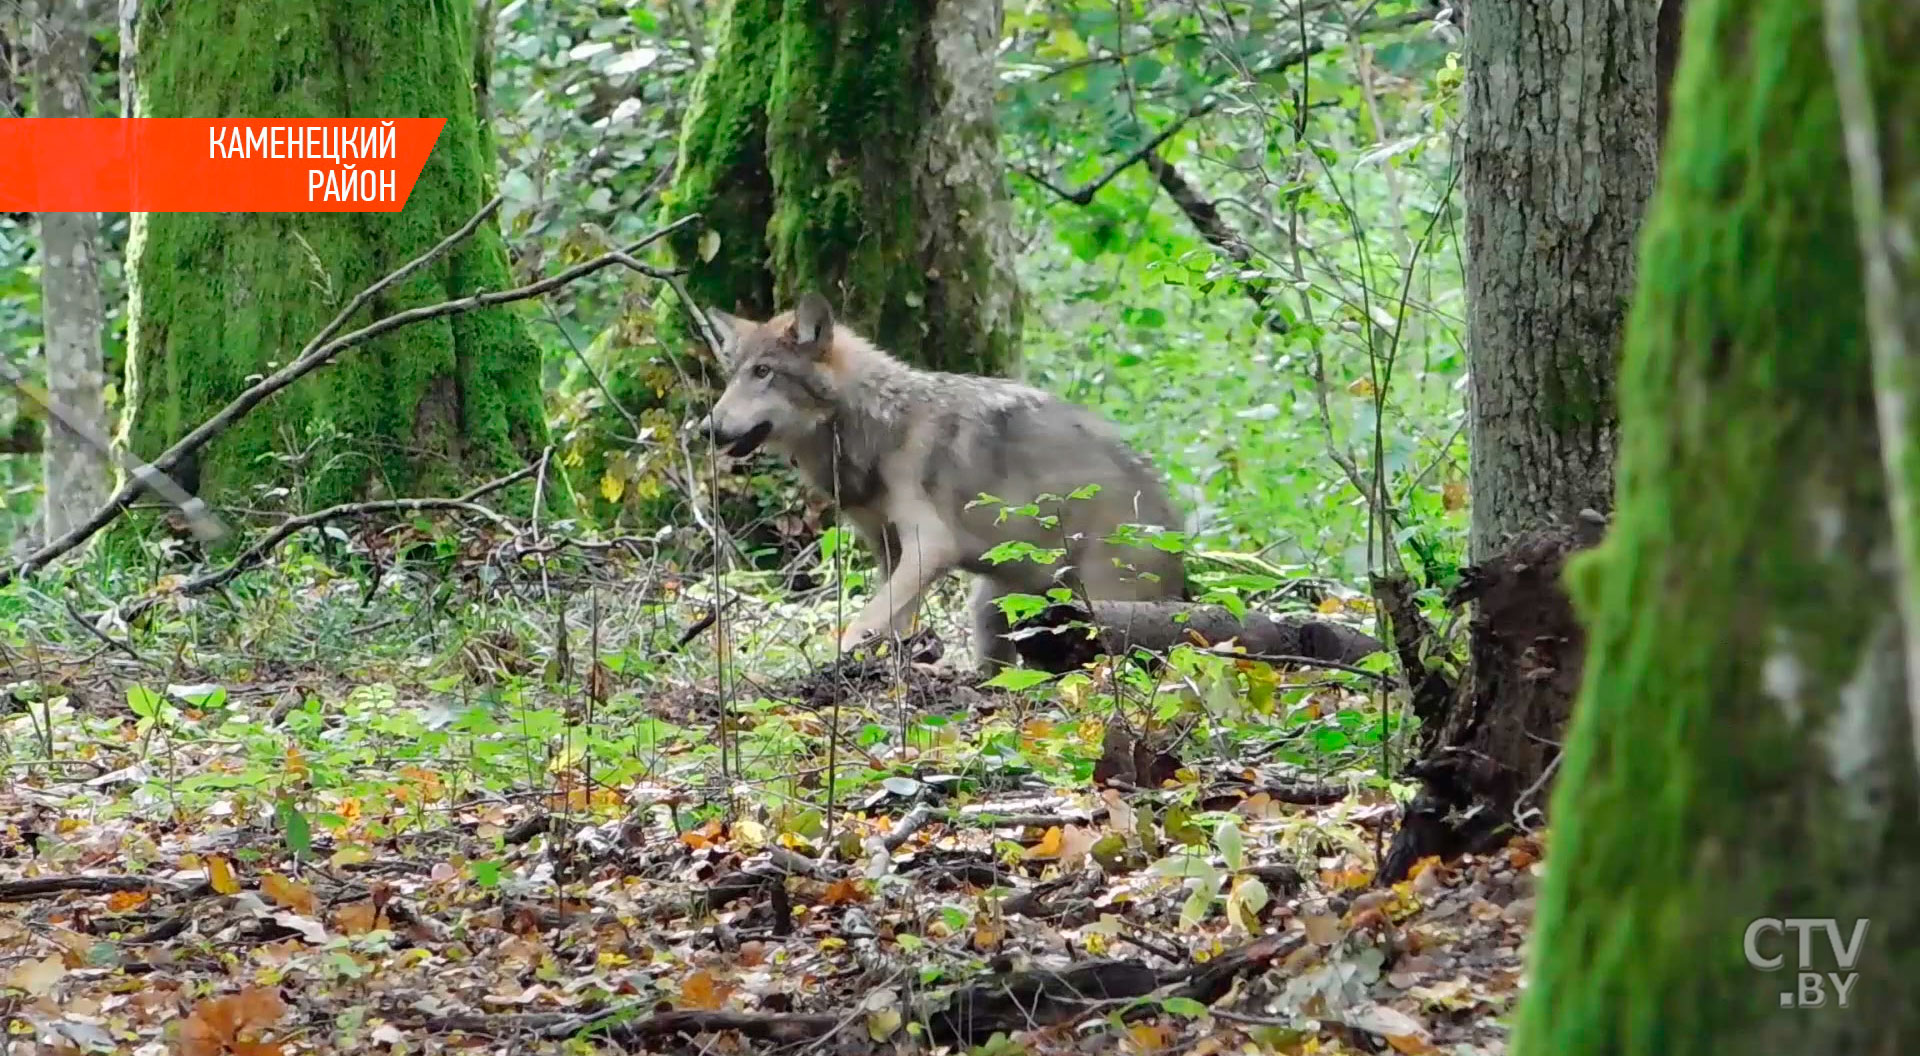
843 892
37 978
232 1024
701 991
290 893
1322 929
1076 842
357 918
125 901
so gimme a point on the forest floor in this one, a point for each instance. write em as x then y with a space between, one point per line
275 834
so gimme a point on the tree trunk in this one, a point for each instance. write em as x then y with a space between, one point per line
74 474
848 147
218 297
1742 749
1559 164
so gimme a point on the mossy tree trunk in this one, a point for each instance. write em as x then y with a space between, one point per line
848 147
218 297
1742 749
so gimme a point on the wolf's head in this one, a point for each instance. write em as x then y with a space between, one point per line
780 382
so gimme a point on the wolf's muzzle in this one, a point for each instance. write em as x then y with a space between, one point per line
738 445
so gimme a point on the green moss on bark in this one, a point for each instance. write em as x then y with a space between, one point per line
221 298
852 85
1741 749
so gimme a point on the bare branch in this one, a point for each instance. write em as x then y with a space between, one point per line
317 354
467 503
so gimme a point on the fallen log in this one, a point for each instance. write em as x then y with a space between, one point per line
1058 639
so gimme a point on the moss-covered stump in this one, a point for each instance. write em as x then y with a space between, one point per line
1741 749
219 299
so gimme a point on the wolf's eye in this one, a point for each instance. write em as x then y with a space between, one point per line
761 370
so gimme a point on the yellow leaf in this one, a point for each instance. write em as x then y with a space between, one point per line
883 1024
290 893
220 875
612 487
350 854
1049 845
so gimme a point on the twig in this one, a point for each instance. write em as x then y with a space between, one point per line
1308 661
42 887
1213 227
115 643
312 358
1084 195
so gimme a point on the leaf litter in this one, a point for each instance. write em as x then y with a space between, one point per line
302 860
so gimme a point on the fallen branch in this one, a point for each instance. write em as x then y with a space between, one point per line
322 349
45 886
1158 626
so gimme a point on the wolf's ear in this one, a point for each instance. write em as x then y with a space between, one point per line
813 324
727 330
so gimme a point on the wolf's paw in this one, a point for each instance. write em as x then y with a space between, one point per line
856 636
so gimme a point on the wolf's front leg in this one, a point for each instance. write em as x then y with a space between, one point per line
926 554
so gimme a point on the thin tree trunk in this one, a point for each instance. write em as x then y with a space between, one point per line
1742 746
74 474
1559 164
217 297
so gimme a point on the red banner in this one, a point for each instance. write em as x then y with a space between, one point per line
193 165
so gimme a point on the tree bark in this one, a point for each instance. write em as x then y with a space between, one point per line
1666 59
74 475
848 148
218 297
1559 164
1742 747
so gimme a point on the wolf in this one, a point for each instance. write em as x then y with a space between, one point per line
907 454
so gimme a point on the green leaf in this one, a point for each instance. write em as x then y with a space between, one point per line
1227 837
294 827
1018 678
1184 1006
144 702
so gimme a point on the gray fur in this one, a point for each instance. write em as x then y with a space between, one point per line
906 452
